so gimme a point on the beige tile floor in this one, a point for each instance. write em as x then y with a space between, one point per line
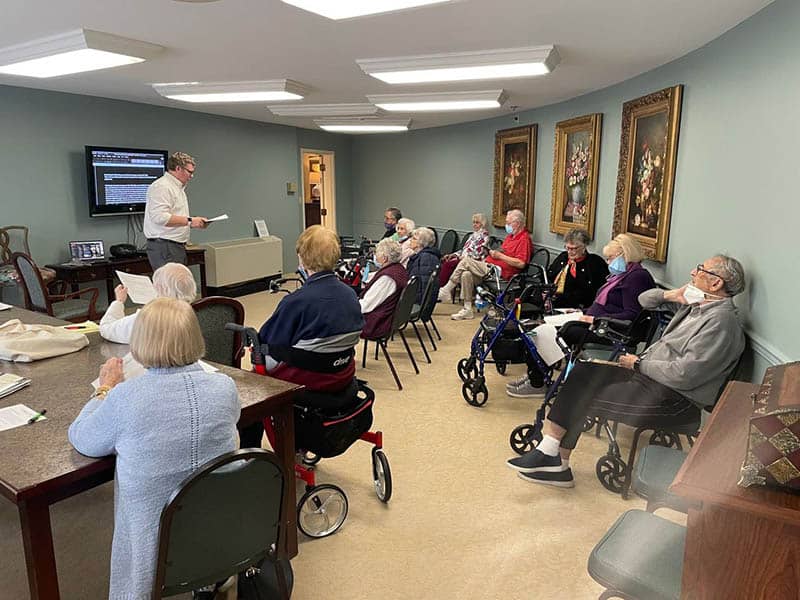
459 525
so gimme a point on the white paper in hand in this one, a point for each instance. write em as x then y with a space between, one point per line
546 344
140 288
219 218
560 319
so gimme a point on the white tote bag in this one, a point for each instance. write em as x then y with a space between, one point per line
26 343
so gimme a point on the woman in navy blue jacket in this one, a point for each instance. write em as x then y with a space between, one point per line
426 258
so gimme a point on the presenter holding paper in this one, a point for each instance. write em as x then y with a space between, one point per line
166 216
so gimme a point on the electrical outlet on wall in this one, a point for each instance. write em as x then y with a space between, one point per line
291 187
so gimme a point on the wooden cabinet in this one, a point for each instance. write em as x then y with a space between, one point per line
740 542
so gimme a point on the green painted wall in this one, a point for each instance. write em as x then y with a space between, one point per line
243 167
734 188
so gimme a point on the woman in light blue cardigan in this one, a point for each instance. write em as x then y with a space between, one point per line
162 426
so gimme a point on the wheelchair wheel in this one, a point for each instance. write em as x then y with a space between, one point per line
309 458
664 438
501 367
322 510
475 392
525 438
610 471
467 369
381 475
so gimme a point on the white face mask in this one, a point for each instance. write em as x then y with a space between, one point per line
694 295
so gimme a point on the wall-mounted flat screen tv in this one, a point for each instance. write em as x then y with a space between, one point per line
118 178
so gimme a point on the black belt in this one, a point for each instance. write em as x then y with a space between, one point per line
166 240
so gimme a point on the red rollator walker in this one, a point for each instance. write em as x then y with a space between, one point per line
326 425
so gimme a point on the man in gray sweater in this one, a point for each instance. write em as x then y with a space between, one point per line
667 385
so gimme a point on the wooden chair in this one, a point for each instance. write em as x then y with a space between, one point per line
14 238
67 306
222 520
222 346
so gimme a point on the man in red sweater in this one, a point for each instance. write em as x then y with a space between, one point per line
513 256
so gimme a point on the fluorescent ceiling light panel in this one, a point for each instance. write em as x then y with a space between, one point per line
233 91
324 110
367 125
347 9
446 101
463 66
73 52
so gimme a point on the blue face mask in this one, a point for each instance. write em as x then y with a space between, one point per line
509 229
388 225
617 266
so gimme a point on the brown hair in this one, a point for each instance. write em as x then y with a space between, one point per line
318 248
179 159
166 333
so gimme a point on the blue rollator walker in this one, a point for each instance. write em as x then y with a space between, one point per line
504 337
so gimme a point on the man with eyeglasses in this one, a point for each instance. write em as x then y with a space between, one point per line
166 215
668 385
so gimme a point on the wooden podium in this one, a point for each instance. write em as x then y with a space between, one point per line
740 542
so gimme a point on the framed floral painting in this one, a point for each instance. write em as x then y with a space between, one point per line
575 165
646 177
514 173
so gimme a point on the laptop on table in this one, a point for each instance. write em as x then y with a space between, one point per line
87 251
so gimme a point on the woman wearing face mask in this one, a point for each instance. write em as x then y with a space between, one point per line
379 298
618 298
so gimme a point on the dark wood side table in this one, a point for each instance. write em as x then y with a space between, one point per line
740 542
34 475
75 274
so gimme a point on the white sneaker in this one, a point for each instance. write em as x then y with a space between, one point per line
444 295
517 382
462 315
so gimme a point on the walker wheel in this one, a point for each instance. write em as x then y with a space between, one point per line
309 458
525 438
501 367
322 510
475 392
467 369
381 475
610 471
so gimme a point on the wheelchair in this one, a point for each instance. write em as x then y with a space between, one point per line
504 337
326 425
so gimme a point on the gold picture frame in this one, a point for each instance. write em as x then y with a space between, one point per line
514 173
646 176
576 161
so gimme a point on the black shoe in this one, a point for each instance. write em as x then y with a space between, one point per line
535 461
558 479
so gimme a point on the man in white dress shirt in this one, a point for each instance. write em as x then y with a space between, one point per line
166 216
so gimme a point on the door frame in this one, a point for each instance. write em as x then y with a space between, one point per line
328 183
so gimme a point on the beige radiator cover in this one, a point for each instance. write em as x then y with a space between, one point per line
237 261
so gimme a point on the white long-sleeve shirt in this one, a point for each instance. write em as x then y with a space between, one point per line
116 326
166 197
377 293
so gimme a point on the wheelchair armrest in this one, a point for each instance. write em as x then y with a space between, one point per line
615 330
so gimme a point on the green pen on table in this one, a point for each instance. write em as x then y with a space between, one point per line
37 416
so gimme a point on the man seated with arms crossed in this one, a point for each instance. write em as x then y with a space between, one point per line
513 256
173 280
313 332
668 385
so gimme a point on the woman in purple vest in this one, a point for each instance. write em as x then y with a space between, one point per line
379 298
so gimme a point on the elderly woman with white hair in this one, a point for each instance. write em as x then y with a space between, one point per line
476 246
161 426
425 259
173 280
403 237
380 297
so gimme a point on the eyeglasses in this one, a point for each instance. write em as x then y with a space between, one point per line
700 269
191 173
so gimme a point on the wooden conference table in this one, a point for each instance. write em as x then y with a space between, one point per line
39 467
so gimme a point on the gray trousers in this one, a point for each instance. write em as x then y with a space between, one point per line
161 252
